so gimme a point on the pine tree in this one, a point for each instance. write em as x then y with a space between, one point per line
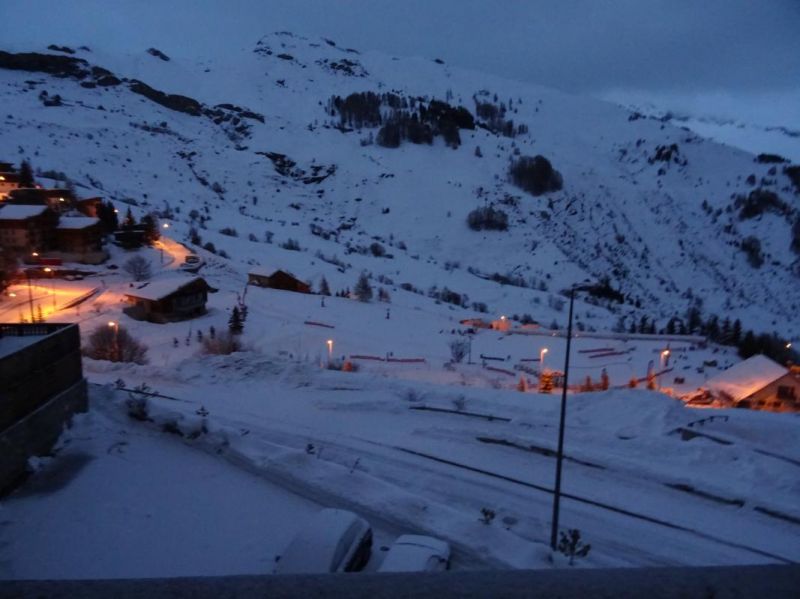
129 220
324 288
235 323
108 217
736 332
643 324
26 175
671 326
725 334
151 234
363 290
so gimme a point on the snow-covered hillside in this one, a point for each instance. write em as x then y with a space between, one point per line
249 163
663 225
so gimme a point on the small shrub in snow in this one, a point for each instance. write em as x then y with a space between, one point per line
291 244
571 546
229 231
487 218
460 403
752 247
137 407
115 344
138 267
377 249
222 344
487 515
458 349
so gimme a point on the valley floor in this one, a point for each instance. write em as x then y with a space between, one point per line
266 442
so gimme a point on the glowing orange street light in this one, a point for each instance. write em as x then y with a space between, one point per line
541 359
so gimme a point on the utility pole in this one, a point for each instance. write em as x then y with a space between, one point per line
560 454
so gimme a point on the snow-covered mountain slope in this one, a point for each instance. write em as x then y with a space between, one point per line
649 205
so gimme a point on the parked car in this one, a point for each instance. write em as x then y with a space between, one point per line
332 541
416 553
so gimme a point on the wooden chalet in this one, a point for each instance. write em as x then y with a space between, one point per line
757 383
277 279
27 228
79 234
166 300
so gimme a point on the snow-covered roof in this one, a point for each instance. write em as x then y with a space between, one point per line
20 211
77 222
157 290
268 271
747 377
263 271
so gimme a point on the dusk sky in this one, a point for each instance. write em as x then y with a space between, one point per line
730 58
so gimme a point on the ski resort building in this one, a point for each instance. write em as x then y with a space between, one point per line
27 228
757 383
168 299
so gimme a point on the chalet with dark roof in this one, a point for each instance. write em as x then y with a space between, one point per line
166 300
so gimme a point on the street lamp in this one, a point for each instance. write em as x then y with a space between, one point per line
664 359
541 359
115 326
329 343
52 286
560 454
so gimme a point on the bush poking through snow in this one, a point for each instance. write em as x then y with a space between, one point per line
487 218
458 350
571 546
138 267
222 344
137 407
460 403
487 515
115 344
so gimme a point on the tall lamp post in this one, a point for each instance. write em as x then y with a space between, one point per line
560 454
52 286
541 360
30 293
329 343
115 326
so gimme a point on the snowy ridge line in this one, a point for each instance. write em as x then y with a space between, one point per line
602 505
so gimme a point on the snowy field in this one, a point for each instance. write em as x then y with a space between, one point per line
419 448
